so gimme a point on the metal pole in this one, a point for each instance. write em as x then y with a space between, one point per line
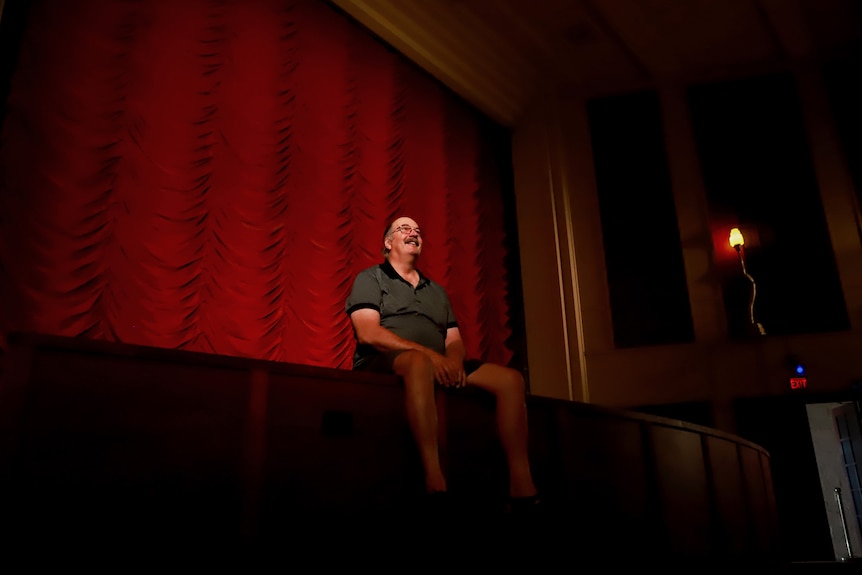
843 522
755 324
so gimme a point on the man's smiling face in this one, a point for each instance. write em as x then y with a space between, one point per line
404 238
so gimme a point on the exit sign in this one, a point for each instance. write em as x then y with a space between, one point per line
798 382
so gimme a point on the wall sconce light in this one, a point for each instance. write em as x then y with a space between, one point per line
736 239
736 242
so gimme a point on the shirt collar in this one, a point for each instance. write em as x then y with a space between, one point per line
390 271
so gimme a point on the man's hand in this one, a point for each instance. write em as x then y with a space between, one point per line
448 372
455 353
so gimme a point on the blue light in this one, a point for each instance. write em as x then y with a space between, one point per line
800 370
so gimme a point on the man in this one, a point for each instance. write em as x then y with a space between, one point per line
404 324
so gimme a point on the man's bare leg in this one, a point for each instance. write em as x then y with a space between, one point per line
417 371
507 385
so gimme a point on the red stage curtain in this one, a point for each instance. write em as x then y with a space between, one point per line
211 175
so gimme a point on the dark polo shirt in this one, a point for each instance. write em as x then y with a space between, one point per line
421 315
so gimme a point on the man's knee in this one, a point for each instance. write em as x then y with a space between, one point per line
498 379
513 380
412 363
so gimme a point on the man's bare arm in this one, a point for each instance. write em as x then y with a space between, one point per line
366 323
456 351
455 345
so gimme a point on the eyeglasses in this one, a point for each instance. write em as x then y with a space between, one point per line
407 230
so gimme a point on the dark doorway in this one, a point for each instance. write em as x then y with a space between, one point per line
780 425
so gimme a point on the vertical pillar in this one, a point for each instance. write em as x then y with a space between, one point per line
581 199
840 206
548 350
692 214
565 292
695 234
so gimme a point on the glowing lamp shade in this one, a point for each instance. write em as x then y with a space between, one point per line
736 238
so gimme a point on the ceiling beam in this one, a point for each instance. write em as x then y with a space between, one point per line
786 21
628 25
455 47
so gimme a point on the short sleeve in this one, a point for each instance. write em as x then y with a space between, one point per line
366 293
